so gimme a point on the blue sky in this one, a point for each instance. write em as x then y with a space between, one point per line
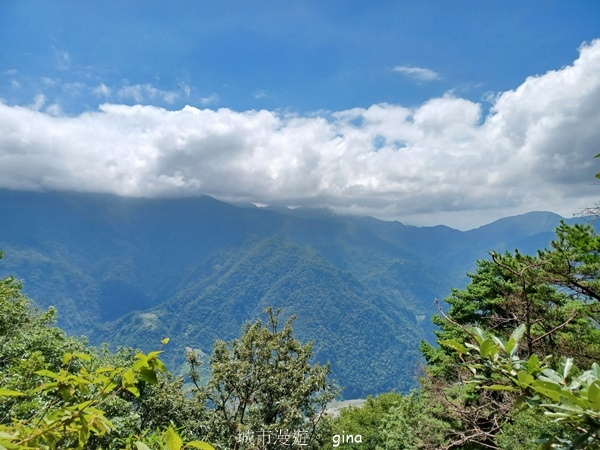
401 110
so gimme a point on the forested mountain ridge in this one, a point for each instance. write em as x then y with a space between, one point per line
360 333
132 271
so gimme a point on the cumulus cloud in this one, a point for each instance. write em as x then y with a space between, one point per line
440 162
418 73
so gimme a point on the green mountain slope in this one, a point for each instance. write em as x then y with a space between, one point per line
371 346
133 271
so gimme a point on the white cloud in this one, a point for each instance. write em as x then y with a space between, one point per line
260 94
38 102
63 59
441 162
142 93
210 100
185 89
102 90
418 73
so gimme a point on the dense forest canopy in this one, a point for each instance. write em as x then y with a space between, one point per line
516 368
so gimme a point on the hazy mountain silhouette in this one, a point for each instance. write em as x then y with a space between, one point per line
132 271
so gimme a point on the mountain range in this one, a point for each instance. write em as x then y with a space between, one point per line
132 271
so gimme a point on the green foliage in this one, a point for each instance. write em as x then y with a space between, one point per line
553 296
513 289
574 260
168 439
264 383
59 393
190 269
527 429
28 344
74 403
366 421
414 423
334 310
392 421
565 394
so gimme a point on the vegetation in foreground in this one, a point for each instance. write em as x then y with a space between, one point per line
58 393
516 368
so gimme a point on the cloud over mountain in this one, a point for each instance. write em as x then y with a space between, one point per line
441 161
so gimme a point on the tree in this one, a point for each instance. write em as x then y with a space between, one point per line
73 406
513 289
365 421
263 390
552 294
28 343
414 423
58 392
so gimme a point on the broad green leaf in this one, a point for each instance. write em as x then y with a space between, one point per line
499 343
594 395
454 345
49 374
67 357
566 365
83 405
154 355
553 376
547 388
148 376
128 378
479 335
83 356
134 390
9 445
84 431
525 379
595 370
533 364
10 393
157 365
510 346
200 444
501 387
567 406
172 440
141 446
141 362
488 348
568 398
518 332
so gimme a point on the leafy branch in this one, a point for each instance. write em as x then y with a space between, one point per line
566 394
